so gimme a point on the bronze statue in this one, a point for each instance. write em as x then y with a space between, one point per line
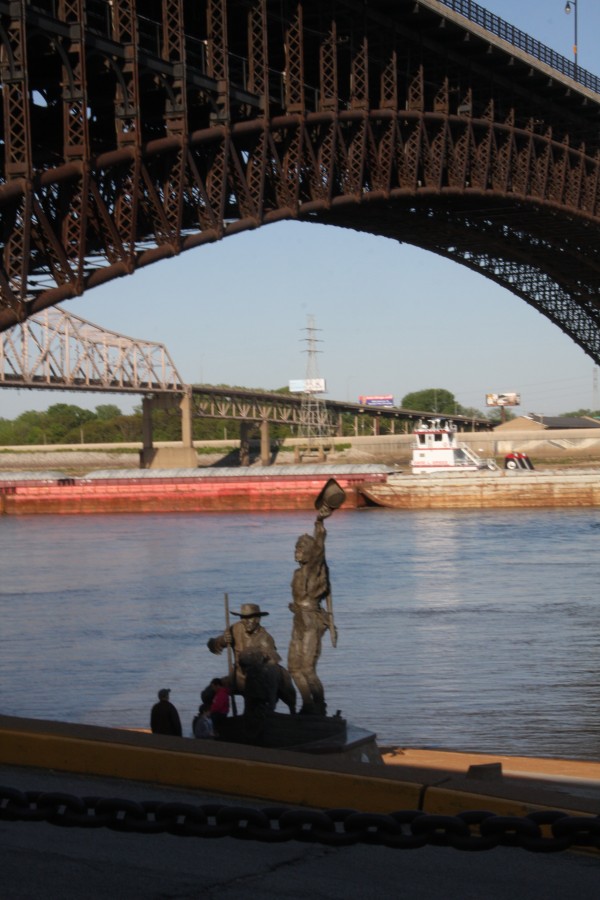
310 588
248 636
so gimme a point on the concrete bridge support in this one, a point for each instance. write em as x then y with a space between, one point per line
245 443
265 443
184 457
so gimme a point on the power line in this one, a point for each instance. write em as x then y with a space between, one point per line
314 425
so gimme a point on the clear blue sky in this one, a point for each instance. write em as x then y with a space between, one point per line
391 318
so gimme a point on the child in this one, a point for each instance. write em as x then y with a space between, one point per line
202 725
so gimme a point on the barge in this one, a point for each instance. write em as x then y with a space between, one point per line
447 474
499 489
182 490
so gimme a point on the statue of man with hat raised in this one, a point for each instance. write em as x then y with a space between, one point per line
249 636
310 589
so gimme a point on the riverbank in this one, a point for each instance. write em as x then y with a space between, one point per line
548 450
81 462
435 781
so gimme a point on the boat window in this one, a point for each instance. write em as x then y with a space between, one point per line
438 437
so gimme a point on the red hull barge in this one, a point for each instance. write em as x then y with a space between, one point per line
153 491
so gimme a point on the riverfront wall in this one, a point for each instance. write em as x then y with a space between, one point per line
552 447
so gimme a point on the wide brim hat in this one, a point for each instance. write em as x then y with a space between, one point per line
250 611
332 495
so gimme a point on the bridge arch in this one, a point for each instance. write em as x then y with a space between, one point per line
367 121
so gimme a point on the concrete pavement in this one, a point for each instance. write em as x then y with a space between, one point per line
47 861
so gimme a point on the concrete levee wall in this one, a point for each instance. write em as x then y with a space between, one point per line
571 445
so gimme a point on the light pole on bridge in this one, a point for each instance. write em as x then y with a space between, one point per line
572 5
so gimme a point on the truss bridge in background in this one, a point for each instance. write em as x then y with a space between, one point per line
55 349
60 351
135 130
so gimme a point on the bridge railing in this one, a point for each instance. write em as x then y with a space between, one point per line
523 41
99 19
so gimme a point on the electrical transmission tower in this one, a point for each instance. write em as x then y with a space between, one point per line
314 428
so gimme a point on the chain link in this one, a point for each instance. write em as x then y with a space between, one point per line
545 831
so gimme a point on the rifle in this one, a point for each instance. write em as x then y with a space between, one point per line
330 622
230 663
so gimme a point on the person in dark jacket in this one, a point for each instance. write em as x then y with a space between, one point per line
164 718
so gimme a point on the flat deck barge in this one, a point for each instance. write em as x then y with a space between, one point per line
182 490
500 489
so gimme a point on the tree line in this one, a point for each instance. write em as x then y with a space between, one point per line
63 423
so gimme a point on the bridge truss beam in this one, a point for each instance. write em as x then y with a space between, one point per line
239 404
55 349
135 131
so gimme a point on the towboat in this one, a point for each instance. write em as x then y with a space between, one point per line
436 449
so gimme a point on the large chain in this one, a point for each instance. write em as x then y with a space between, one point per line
545 831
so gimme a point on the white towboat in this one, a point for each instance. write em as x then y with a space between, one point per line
436 449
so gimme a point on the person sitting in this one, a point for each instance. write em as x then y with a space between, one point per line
219 708
208 694
202 726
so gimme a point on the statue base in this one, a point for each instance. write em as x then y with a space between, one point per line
303 734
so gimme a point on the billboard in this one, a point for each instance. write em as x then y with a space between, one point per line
377 400
307 386
503 399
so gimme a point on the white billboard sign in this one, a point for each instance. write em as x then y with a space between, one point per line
307 386
503 399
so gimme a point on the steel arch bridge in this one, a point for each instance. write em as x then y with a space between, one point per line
133 131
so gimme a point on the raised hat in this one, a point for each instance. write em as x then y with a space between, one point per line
332 495
249 610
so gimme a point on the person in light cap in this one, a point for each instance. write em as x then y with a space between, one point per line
248 635
164 718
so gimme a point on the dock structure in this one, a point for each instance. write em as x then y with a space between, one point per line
394 778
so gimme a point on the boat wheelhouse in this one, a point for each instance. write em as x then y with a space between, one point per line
436 449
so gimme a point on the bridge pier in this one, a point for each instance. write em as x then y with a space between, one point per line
245 443
184 457
265 443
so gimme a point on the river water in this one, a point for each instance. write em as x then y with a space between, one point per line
457 629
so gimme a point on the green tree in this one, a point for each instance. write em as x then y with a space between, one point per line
496 416
64 423
30 428
6 432
471 412
435 400
107 411
129 428
166 425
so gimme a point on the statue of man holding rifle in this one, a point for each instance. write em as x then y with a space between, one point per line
248 636
310 589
